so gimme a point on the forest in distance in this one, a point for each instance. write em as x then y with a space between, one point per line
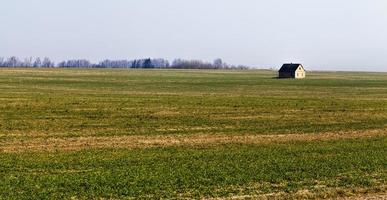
147 63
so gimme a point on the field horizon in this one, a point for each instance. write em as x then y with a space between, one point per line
207 134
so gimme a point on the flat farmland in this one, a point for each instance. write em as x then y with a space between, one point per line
121 134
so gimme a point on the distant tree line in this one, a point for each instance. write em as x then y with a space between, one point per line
27 62
129 64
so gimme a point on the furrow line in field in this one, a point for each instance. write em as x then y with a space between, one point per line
142 142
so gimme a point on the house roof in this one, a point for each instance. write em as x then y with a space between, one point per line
289 67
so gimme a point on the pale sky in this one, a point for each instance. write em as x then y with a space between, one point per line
321 34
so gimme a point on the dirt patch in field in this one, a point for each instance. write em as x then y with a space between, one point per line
339 193
367 197
134 142
303 195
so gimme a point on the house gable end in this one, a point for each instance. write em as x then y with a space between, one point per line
301 68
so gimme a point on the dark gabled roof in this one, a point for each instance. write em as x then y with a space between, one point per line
289 67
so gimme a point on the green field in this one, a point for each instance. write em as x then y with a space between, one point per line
123 134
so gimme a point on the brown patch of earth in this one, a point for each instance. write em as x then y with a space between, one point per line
134 142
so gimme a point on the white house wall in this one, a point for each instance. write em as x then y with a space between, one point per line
300 73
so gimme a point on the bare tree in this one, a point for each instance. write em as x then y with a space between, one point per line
2 62
13 62
37 62
47 63
28 62
218 63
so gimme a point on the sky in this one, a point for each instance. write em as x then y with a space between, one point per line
321 34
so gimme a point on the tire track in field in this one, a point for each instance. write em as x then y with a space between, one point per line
142 142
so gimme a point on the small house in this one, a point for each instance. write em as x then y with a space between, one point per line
291 70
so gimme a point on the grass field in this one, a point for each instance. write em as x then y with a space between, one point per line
123 134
